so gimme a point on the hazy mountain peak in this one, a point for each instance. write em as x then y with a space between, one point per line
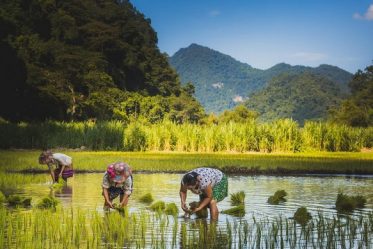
205 68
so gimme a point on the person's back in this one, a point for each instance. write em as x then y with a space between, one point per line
59 164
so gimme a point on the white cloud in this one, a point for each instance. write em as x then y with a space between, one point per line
237 99
214 13
367 16
218 85
310 56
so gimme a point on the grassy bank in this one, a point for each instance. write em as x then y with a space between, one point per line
246 163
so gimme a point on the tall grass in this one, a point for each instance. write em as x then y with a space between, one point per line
279 136
74 228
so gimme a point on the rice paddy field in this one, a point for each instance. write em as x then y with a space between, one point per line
311 180
241 163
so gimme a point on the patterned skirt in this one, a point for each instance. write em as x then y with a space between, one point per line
65 174
219 191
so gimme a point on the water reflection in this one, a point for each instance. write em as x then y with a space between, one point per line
316 193
65 195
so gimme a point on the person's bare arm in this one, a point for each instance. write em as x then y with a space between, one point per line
106 196
62 169
52 173
207 200
183 196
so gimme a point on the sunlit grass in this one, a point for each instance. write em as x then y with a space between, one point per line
280 163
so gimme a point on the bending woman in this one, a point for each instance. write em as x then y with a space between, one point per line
60 165
210 184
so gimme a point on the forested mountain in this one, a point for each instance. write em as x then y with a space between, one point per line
221 82
298 96
357 110
84 59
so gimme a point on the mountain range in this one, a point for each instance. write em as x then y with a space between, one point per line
221 82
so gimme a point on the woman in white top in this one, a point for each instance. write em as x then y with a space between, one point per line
210 184
60 165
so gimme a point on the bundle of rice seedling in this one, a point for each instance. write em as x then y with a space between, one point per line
16 200
171 209
238 198
203 213
302 216
345 203
57 186
158 206
146 198
238 211
48 202
120 209
278 197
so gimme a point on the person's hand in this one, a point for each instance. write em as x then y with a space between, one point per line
184 207
194 210
110 204
60 175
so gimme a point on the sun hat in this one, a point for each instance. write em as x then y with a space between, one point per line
119 171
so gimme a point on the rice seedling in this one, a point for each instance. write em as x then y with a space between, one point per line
238 198
2 197
48 203
57 186
26 161
158 206
146 198
18 201
302 216
238 211
203 213
171 209
345 203
278 197
74 228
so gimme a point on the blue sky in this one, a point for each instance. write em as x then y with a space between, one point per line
263 33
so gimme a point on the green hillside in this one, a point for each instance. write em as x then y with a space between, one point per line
75 60
298 96
221 82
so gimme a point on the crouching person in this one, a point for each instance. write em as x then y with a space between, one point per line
117 181
60 165
210 184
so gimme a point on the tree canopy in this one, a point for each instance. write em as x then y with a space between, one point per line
74 60
357 110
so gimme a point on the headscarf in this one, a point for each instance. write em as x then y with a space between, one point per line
122 168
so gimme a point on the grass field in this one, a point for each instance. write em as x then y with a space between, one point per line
245 163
